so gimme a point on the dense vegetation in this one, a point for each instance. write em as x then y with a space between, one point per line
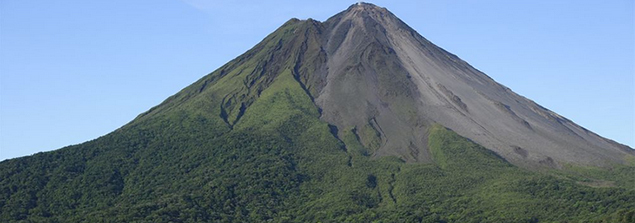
232 155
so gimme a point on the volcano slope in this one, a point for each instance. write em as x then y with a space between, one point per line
355 119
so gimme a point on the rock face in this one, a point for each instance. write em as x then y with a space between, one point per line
386 81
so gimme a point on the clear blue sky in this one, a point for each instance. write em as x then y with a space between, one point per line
72 71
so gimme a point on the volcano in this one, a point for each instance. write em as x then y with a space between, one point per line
368 72
357 118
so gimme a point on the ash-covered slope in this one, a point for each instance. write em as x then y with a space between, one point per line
389 83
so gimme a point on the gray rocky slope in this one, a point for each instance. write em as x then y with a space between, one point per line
381 78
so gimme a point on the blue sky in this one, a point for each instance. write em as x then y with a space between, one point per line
71 71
